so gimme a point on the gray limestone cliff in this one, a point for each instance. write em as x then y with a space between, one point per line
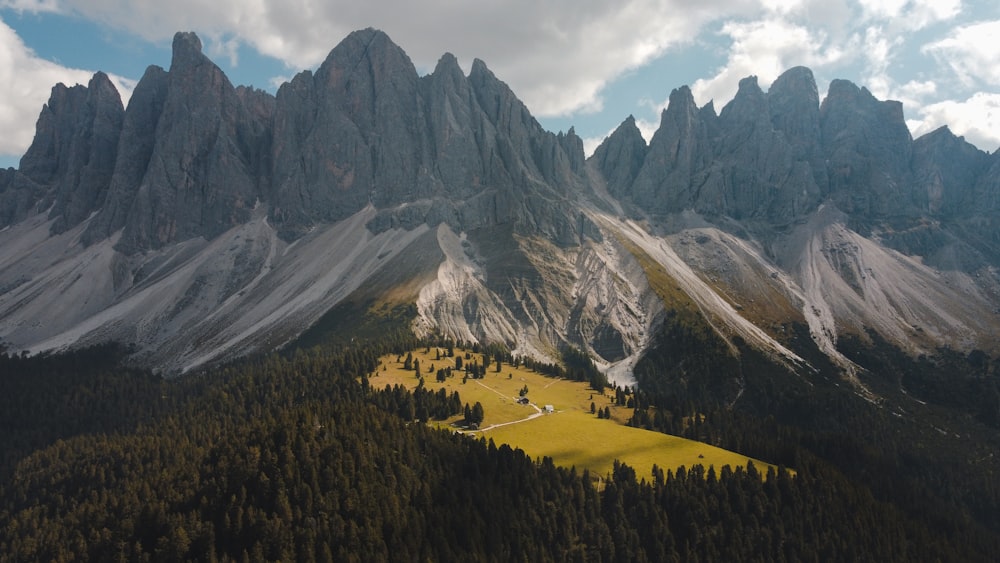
69 164
759 211
193 156
868 149
620 157
201 175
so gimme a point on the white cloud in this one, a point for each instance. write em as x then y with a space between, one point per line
976 118
25 84
33 6
227 48
878 51
764 48
882 9
860 40
915 93
910 15
970 51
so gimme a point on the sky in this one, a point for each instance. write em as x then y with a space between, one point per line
586 64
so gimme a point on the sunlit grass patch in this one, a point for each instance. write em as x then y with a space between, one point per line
571 435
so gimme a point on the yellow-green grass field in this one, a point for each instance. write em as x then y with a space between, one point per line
570 435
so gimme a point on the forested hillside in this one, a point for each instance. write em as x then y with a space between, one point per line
297 458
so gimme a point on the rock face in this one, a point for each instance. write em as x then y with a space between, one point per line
772 156
347 135
70 162
366 129
869 148
136 150
678 158
619 158
208 220
749 162
200 179
945 169
198 154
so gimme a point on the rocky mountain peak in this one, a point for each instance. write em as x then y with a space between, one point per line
186 50
447 66
53 132
69 163
499 102
368 56
479 68
793 102
91 155
868 148
680 106
382 166
945 168
349 135
680 148
749 104
201 177
139 131
620 156
797 81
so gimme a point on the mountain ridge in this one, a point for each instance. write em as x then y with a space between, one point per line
206 221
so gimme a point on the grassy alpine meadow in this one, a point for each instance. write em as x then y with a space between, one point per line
570 434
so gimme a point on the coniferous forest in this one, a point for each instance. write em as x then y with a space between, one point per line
295 457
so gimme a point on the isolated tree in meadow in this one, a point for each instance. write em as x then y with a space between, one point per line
593 407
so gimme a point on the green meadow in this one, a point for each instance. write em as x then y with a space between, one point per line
570 434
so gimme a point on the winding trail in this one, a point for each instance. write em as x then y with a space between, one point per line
538 412
492 426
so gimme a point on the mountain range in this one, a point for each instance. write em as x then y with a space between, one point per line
207 221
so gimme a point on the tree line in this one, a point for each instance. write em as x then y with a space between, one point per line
299 457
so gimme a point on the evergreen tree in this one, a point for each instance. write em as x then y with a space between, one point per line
477 413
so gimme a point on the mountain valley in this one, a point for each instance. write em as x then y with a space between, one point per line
817 288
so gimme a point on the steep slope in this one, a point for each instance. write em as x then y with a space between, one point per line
192 302
205 221
830 209
188 255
